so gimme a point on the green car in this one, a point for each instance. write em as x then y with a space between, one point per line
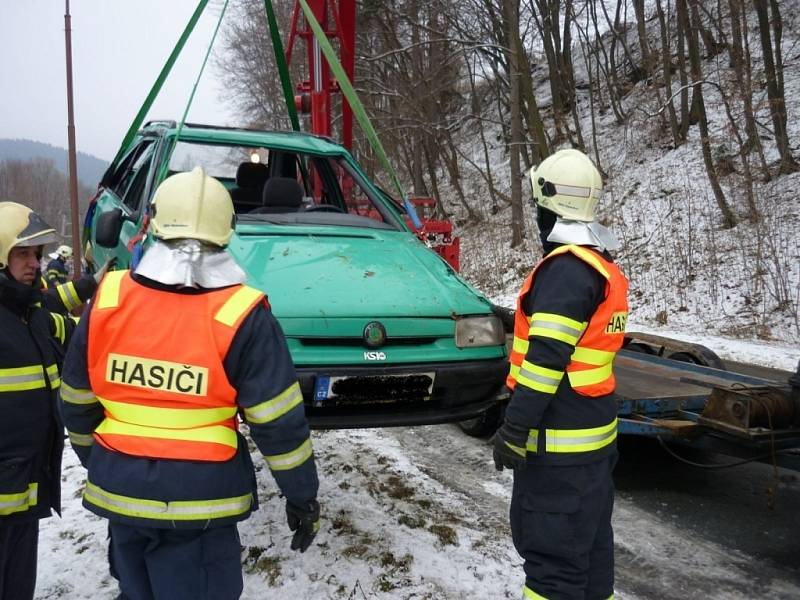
381 330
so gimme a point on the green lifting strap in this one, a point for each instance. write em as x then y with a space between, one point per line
148 102
283 68
358 109
165 164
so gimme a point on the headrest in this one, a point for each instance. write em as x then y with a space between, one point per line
283 191
250 174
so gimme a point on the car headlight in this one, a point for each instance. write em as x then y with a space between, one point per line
479 331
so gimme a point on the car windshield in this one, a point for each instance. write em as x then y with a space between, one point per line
292 188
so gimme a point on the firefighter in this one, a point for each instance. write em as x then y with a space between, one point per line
560 426
32 341
57 272
159 369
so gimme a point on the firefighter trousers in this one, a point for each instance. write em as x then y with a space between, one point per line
18 547
561 527
176 564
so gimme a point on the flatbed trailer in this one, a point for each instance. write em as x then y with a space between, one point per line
682 393
706 408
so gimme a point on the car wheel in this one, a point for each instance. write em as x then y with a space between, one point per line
482 425
699 355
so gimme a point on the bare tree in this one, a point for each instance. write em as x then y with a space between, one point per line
692 37
511 19
773 69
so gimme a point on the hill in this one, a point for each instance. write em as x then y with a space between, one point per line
90 168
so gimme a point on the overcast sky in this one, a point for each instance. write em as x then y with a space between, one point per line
118 49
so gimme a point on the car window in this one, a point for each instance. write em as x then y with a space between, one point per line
129 181
294 187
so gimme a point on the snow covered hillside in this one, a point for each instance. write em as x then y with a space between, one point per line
687 272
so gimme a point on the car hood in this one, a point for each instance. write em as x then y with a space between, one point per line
346 272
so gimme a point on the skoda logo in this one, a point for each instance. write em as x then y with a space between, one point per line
374 335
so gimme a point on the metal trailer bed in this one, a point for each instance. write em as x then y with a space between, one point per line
706 408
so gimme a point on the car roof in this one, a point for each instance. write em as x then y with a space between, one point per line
280 140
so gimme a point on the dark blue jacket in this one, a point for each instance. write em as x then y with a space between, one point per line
32 342
56 272
259 367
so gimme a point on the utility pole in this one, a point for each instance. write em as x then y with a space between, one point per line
73 166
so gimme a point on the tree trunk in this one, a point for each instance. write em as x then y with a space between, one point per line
682 27
666 55
648 60
737 62
692 37
536 128
511 14
773 69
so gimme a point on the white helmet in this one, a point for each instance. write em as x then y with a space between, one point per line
193 205
568 184
64 252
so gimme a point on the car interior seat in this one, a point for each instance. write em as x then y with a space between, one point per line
250 178
281 195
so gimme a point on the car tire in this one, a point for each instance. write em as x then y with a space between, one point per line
699 355
483 425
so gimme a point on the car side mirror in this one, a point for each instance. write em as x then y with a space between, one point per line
108 228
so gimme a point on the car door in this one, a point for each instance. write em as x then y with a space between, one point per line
127 189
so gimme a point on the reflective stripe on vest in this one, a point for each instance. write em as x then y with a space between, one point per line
571 441
33 377
14 503
108 297
181 510
590 369
182 408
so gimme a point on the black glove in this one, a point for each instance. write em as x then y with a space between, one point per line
509 447
304 521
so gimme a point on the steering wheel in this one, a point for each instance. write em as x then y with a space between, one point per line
323 208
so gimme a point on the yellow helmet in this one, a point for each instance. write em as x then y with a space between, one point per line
20 226
64 251
193 205
568 184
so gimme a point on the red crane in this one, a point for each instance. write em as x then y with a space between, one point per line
338 20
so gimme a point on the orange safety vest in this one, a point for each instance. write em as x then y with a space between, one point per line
155 362
590 369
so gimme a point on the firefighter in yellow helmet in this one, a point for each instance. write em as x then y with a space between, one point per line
160 369
560 427
57 271
33 336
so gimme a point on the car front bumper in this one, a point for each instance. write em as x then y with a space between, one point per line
461 390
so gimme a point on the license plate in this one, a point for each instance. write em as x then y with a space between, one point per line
373 389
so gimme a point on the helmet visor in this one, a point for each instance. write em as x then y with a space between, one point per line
550 189
36 232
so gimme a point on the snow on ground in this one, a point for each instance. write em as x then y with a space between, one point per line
389 531
412 513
